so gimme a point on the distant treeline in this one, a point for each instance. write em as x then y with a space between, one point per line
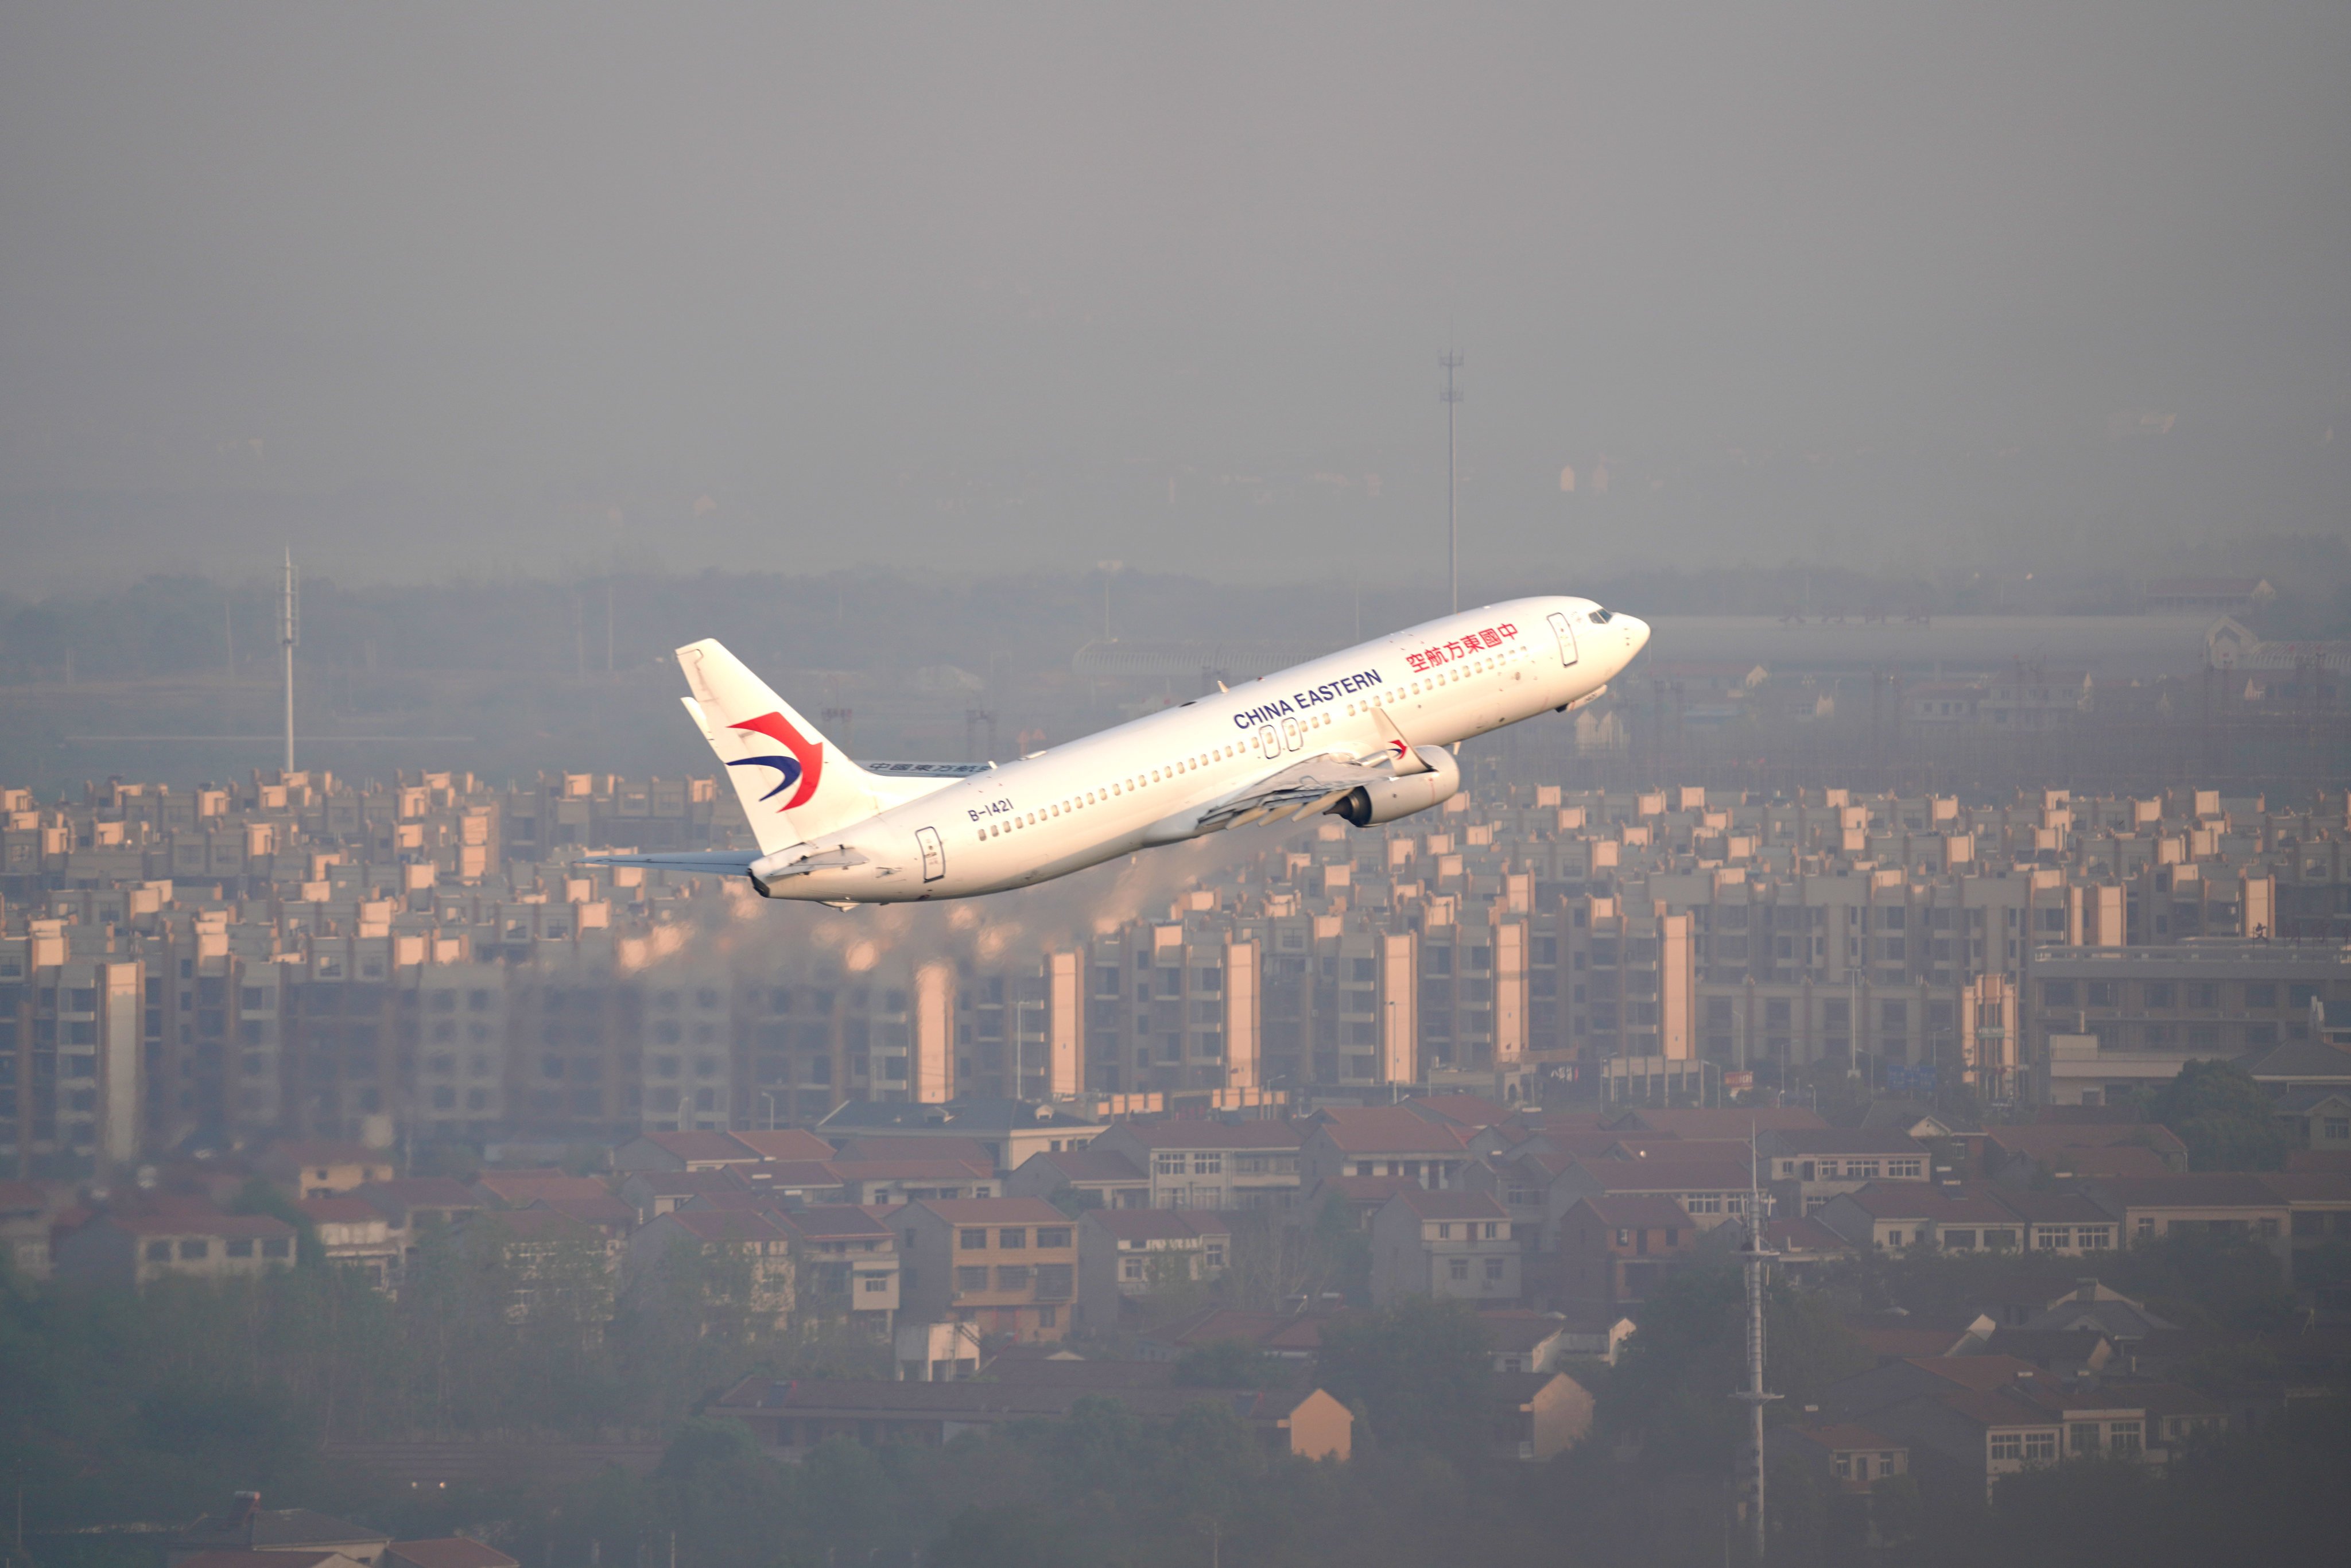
539 628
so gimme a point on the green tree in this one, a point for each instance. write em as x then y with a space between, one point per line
2227 1119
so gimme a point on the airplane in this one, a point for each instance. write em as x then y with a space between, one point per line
1367 735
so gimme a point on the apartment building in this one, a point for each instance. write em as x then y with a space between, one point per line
1194 1163
131 1251
296 955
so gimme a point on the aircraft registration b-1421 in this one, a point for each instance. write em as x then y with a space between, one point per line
1362 734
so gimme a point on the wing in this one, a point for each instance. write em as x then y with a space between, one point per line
716 862
1301 789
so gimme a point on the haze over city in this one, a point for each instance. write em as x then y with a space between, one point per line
1796 1011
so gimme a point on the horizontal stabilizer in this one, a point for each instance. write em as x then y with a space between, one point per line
728 863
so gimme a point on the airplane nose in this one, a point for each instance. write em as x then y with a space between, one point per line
1637 633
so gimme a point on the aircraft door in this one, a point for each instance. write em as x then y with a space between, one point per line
1566 638
1269 742
935 854
1289 736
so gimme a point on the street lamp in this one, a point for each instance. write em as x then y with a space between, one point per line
770 1099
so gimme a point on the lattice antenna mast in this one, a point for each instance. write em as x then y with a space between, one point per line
1450 362
1755 1258
289 632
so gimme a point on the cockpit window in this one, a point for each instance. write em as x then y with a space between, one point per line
1601 618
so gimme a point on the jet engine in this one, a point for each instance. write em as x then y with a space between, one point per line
1401 796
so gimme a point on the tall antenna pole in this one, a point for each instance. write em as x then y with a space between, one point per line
289 632
1756 1259
1451 398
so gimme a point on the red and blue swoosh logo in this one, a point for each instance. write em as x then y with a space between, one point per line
801 762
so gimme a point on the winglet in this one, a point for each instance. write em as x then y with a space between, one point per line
1399 751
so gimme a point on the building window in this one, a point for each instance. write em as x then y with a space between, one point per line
968 1278
1049 1317
1459 1268
1012 1277
974 1240
1494 1271
2041 1447
2007 1446
195 1247
1012 1236
2123 1440
159 1252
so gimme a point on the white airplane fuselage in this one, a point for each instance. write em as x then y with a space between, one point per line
1148 781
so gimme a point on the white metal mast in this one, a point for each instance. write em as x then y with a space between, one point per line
289 632
1756 1259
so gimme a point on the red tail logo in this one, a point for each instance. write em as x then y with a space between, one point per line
803 765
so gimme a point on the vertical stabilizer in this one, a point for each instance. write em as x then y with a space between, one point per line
794 784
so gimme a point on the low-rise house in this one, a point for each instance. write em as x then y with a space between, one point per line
845 1263
2061 1222
1200 1163
1099 1178
520 1189
2318 1208
556 1267
1008 1264
738 1263
1131 1252
1806 1166
1710 1191
355 1234
713 1150
654 1193
1615 1250
1010 1131
779 1145
416 1208
794 1416
319 1168
602 1212
1522 1177
1802 1248
913 1179
2219 1202
2016 1156
2091 1307
445 1551
1968 1439
245 1526
2318 1119
1453 1245
134 1250
1381 1141
1539 1413
1889 1217
1846 1455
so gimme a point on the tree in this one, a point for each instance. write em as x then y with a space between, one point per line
1421 1370
2227 1119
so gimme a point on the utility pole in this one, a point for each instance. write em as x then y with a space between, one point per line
289 632
1451 361
1755 1258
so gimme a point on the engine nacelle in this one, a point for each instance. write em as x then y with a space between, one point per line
1392 797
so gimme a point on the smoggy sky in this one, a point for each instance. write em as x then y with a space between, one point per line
429 289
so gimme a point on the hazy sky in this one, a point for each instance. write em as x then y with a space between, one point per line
430 288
